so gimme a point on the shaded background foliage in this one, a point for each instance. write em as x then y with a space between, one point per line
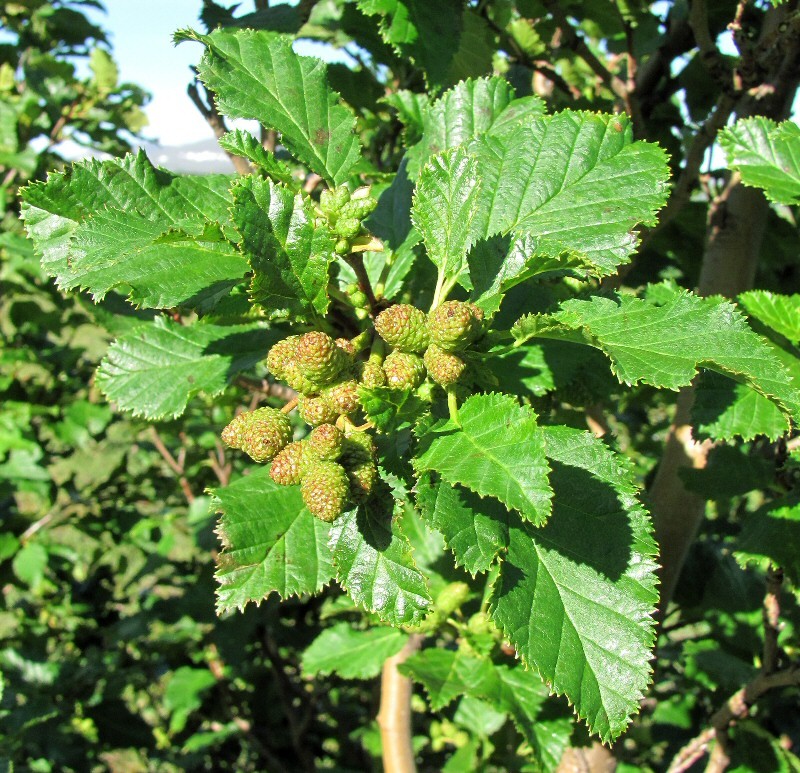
111 653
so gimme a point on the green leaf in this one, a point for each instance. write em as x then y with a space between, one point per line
258 75
475 529
445 204
288 251
446 675
115 249
465 112
495 452
772 534
724 410
271 543
576 597
390 409
154 370
350 653
555 179
374 563
244 144
183 694
665 345
781 313
766 155
51 209
447 42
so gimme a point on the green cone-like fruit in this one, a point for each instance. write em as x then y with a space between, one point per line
347 227
331 200
443 367
317 410
358 446
297 381
318 357
453 326
358 208
325 443
281 356
403 370
325 488
403 327
343 396
371 374
288 466
233 434
267 432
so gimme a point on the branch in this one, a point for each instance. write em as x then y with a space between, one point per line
264 388
736 707
710 55
394 717
209 111
576 43
177 466
771 611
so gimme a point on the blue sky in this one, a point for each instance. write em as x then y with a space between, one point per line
141 36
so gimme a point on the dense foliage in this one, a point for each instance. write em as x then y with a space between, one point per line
482 257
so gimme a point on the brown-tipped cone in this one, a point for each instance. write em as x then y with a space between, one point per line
317 410
343 396
443 367
403 327
281 356
288 466
233 434
267 432
403 370
453 326
325 443
318 357
325 488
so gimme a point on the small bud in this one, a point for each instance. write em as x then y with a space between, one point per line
331 200
347 227
342 247
404 327
358 208
370 374
325 488
403 370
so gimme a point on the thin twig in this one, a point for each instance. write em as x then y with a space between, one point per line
175 465
356 262
263 388
771 611
574 41
219 464
710 55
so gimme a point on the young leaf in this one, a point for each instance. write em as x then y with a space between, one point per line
390 409
271 543
475 529
781 313
724 410
350 653
445 204
288 251
155 201
374 563
244 144
258 75
495 452
665 345
576 597
155 369
766 155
